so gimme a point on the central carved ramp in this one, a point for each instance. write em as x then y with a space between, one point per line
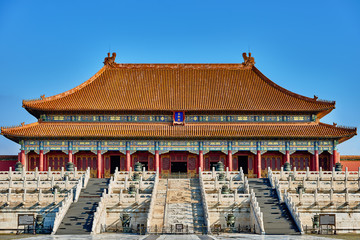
277 219
79 217
184 206
178 205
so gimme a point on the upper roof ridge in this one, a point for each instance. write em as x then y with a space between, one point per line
249 61
180 66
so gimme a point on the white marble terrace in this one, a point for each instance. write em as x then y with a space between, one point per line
325 192
240 201
48 193
117 200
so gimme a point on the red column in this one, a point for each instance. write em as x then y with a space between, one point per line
230 161
100 165
316 160
157 160
287 159
23 158
45 162
128 160
255 165
258 159
41 162
336 156
332 162
70 156
201 160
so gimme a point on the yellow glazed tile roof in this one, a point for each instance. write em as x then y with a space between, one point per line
174 87
103 130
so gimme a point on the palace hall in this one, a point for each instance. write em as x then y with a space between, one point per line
178 118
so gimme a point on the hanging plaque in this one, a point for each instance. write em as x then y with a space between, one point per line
179 118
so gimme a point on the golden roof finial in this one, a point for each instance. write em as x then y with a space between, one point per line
248 60
110 60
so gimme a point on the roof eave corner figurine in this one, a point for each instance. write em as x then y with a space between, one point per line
110 60
249 61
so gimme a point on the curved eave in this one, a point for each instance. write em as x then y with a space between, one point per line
352 131
328 105
36 112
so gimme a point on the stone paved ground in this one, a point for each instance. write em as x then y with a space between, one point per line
269 237
176 237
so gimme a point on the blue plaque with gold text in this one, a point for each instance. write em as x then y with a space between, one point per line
179 117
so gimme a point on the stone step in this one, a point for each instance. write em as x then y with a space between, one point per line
159 206
277 219
79 218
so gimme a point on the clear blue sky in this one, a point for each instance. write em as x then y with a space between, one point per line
309 47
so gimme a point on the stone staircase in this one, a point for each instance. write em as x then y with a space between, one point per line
277 219
159 207
79 217
197 206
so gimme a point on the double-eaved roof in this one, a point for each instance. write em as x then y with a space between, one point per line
165 88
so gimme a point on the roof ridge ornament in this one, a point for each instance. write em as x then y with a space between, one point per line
110 60
248 60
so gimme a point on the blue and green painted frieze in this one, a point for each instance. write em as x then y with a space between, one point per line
174 145
169 118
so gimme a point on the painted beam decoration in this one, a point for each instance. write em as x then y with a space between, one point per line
173 145
273 146
113 146
178 117
244 146
142 146
190 146
221 146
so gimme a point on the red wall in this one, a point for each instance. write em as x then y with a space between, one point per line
6 164
351 165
